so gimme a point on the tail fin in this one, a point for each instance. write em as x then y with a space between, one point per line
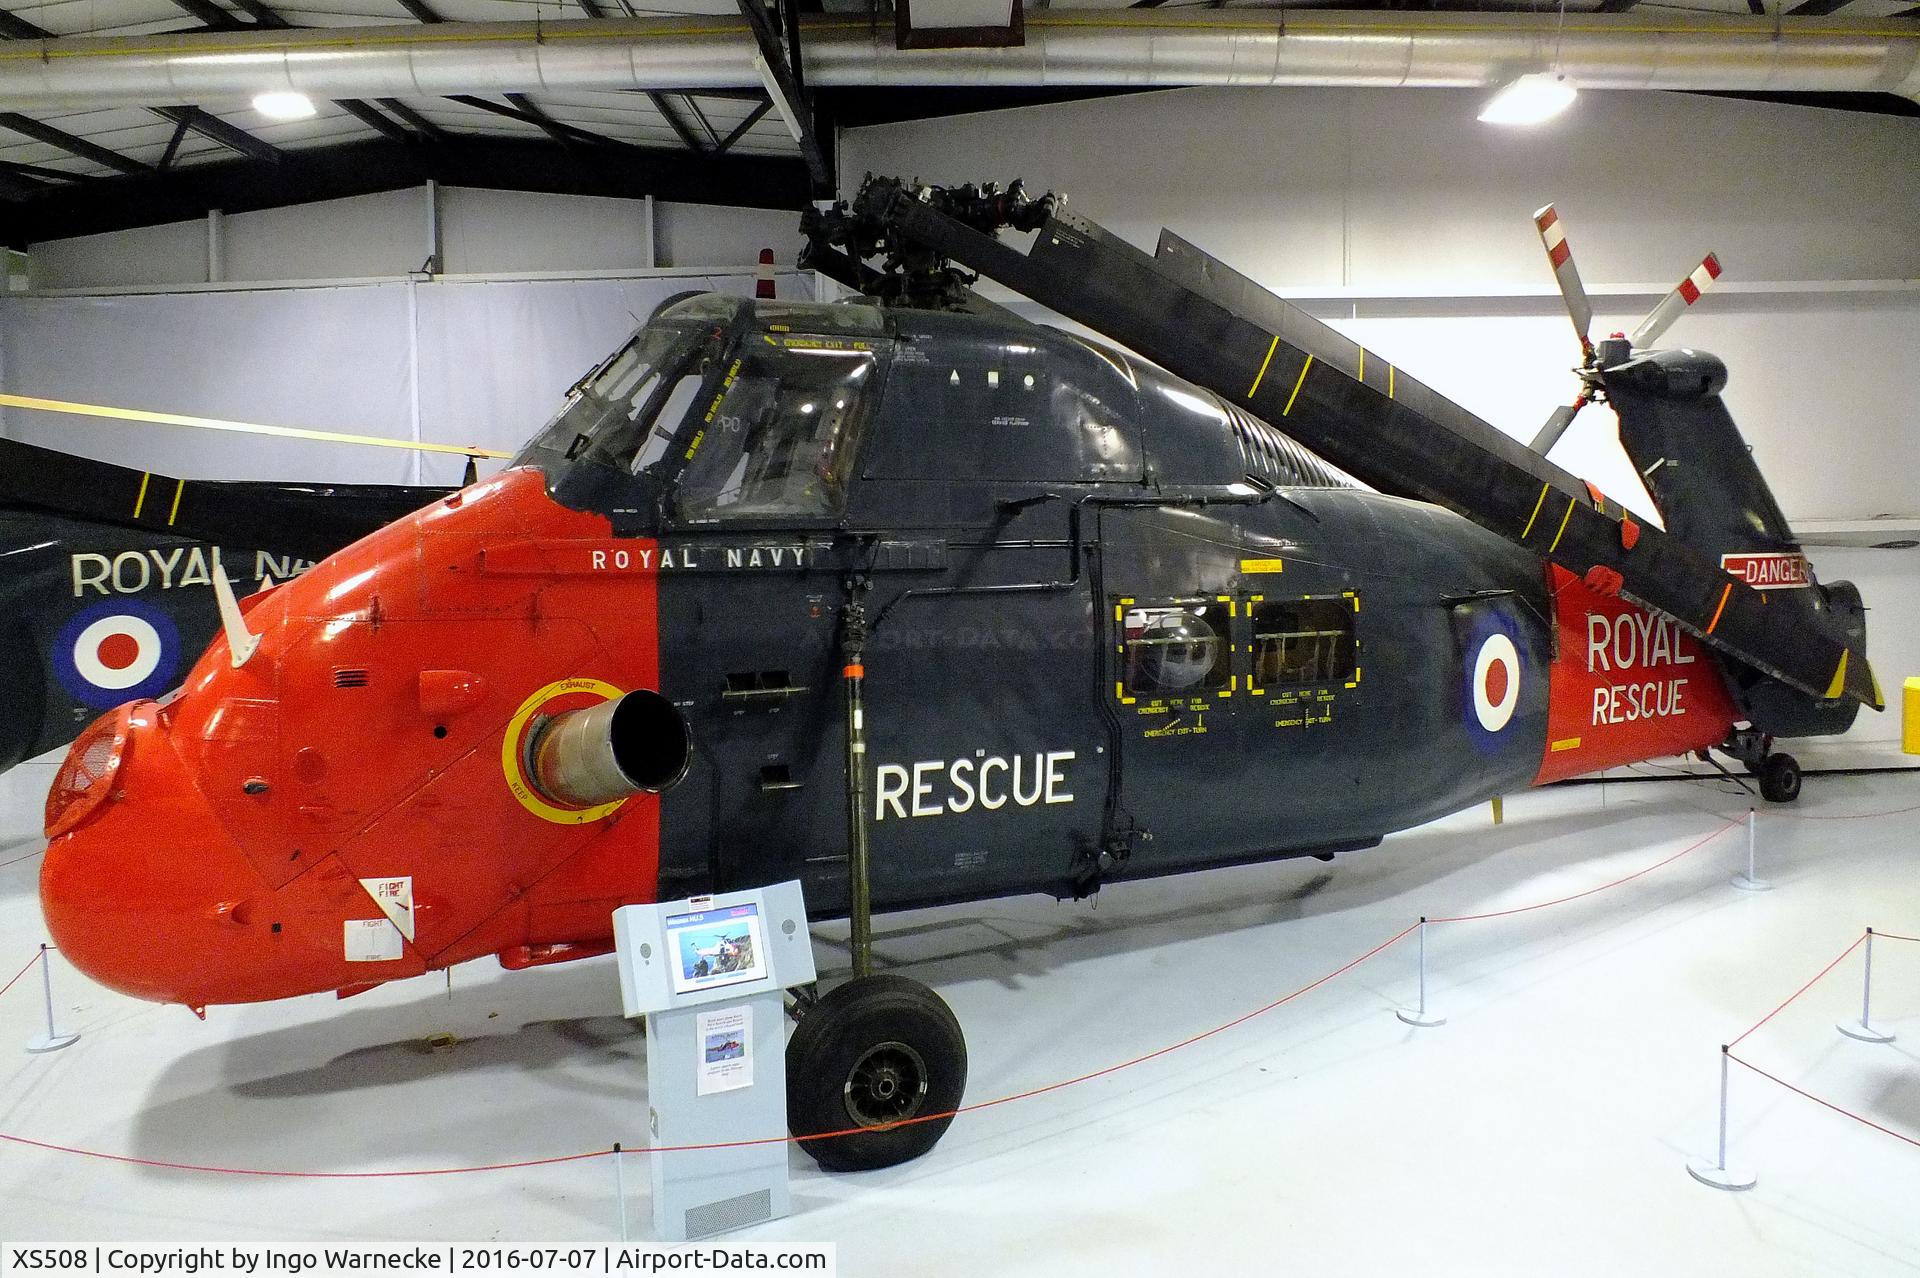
1697 468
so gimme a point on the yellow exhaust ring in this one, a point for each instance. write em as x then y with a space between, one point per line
244 428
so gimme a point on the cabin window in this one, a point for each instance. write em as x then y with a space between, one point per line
1175 648
779 436
1304 641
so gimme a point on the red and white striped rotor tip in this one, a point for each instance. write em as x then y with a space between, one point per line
1674 305
763 287
1565 273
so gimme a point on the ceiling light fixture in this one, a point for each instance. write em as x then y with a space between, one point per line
284 106
1538 96
1530 99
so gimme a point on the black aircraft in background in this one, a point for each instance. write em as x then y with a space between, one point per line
106 574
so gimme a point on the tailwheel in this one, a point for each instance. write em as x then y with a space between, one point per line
1779 778
874 1054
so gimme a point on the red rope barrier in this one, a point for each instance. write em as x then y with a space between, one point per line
18 859
1895 936
17 975
1858 941
738 1144
1818 1101
1522 909
302 1175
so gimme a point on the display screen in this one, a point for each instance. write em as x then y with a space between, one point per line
716 947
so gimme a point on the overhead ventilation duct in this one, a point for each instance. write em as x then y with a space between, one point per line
1064 48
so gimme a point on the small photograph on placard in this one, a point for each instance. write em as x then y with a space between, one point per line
724 1039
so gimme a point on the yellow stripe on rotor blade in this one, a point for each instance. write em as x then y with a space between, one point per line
1536 511
245 428
1272 346
179 486
139 503
1571 503
1296 387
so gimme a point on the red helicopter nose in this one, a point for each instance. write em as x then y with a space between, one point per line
137 899
153 899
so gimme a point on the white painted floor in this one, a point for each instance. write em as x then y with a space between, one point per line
1543 1129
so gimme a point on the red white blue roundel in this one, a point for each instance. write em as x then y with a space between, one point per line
116 651
1494 684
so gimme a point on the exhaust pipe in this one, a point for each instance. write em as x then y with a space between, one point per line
600 754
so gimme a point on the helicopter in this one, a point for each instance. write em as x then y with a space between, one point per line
105 570
921 603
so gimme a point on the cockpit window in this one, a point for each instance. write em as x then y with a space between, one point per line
622 414
779 437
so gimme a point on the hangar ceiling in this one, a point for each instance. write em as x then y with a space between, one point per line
87 144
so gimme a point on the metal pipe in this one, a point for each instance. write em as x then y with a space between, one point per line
1063 48
606 752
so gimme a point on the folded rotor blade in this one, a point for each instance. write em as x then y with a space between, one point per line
1565 273
1674 304
1557 426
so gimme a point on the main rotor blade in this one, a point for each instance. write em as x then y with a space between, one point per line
1201 320
1566 274
1557 426
1674 304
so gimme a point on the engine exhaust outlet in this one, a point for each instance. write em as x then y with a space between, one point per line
598 754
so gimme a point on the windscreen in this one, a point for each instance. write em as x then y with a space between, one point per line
625 412
780 437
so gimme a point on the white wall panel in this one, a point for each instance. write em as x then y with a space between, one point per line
1404 189
172 254
323 358
492 359
714 235
482 232
384 234
519 231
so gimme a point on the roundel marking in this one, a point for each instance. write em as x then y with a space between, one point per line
513 749
117 651
1496 682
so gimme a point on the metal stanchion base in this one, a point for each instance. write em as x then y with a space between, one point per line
1710 1173
1414 1017
1864 1032
1746 884
53 1043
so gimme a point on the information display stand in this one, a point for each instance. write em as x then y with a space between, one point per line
709 974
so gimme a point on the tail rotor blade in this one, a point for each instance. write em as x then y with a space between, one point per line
1560 253
1675 304
1557 426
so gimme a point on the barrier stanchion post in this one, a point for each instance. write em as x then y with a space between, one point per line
1420 1015
52 1040
1749 881
1865 1031
620 1187
1717 1174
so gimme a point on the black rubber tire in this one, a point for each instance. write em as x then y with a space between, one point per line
886 1019
1779 778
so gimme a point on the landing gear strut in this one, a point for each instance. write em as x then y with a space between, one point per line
1777 772
874 1057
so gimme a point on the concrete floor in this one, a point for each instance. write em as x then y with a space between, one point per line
1544 1128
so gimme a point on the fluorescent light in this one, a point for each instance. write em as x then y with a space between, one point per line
284 106
1530 99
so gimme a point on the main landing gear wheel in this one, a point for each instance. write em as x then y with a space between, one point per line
1779 778
874 1053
